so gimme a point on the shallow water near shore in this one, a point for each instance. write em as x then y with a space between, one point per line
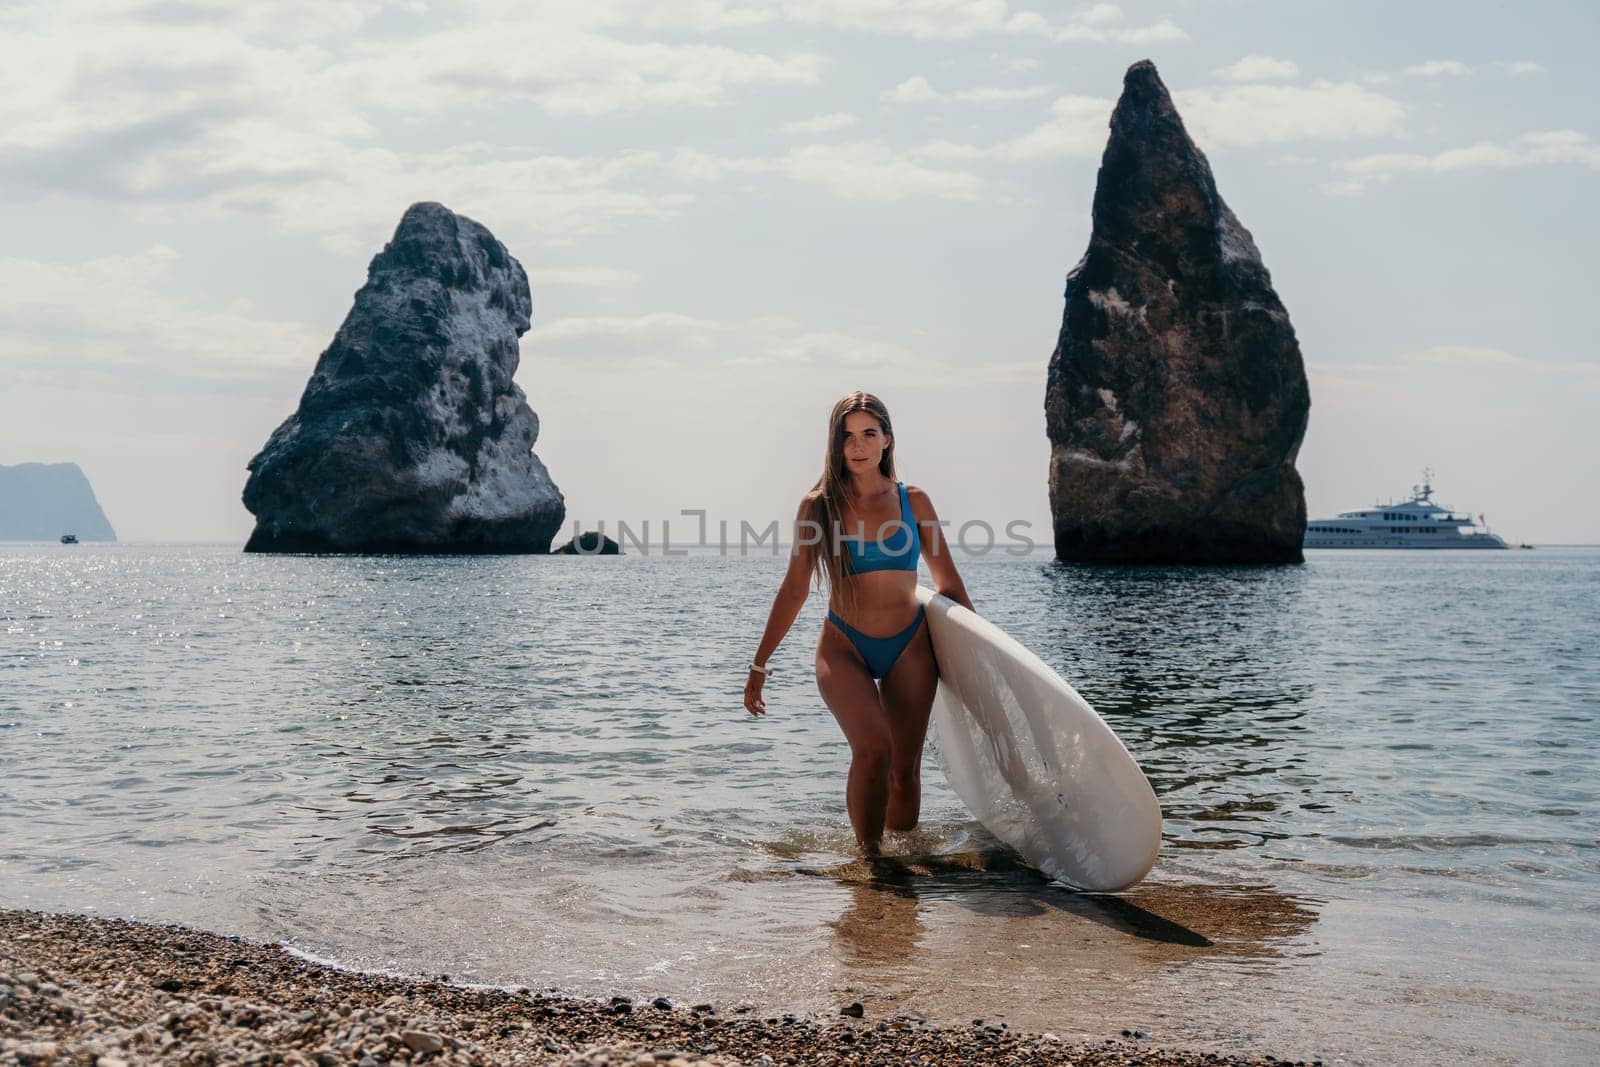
1378 772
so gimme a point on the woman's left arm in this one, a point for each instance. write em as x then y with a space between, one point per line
936 550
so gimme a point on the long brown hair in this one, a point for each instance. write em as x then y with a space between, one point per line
834 489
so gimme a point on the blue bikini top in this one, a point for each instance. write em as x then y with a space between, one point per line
898 552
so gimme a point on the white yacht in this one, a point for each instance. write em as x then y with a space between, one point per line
1418 523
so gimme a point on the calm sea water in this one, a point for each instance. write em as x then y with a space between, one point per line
1378 772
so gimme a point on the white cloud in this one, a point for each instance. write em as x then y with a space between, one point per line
928 19
999 94
923 19
837 120
1100 22
565 71
858 170
1099 15
1472 381
118 314
673 338
918 90
583 277
914 90
1249 115
1531 149
206 106
1233 116
1017 64
666 340
667 330
354 196
115 73
1483 357
207 111
1439 68
869 170
1257 68
1078 126
1520 66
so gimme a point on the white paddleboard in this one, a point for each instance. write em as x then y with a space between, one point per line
1032 760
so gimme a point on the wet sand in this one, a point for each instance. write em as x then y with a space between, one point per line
110 992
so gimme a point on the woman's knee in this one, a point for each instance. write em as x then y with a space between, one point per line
873 749
904 775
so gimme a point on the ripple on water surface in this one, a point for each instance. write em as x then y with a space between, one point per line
1377 772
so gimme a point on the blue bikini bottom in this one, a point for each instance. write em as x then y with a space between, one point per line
879 652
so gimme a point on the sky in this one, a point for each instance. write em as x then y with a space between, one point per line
733 213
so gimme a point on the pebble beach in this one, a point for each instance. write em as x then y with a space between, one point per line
110 993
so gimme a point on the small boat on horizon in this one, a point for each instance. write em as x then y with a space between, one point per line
1417 523
69 539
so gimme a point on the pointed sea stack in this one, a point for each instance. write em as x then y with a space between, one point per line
411 435
1177 398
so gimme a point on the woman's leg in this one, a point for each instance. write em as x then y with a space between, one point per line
908 691
850 693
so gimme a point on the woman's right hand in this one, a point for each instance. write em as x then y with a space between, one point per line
752 694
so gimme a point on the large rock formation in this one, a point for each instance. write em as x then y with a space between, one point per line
411 435
42 501
1177 398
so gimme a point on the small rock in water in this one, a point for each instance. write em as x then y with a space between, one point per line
703 1009
661 1004
854 1011
421 1041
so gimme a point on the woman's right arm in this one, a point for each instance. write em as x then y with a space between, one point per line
791 597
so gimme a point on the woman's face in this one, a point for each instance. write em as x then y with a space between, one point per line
864 441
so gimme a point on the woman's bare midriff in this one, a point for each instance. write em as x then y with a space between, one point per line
886 602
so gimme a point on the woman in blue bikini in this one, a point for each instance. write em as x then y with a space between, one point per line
880 689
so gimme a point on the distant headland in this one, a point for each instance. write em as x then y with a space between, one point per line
43 501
